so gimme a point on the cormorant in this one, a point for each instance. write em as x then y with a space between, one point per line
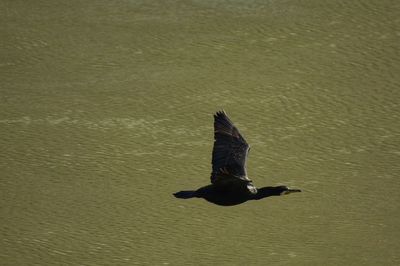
230 184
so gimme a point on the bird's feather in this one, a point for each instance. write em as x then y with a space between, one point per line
230 153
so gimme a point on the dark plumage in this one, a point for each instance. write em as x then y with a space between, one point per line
230 184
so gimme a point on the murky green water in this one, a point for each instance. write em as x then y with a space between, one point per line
106 110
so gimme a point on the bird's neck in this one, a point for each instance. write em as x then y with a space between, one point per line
267 192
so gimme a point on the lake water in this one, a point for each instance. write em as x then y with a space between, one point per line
106 110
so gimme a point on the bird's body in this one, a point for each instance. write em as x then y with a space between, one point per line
230 184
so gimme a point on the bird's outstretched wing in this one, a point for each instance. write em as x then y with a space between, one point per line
229 153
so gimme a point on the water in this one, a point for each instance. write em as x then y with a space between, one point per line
106 110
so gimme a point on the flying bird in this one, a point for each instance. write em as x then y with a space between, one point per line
230 184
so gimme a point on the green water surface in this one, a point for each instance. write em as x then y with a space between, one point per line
106 110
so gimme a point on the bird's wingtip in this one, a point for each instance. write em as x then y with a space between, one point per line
220 113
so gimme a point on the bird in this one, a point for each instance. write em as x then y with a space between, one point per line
230 184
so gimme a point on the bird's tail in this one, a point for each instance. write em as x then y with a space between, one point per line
185 194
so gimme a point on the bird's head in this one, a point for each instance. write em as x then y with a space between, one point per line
274 191
284 190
